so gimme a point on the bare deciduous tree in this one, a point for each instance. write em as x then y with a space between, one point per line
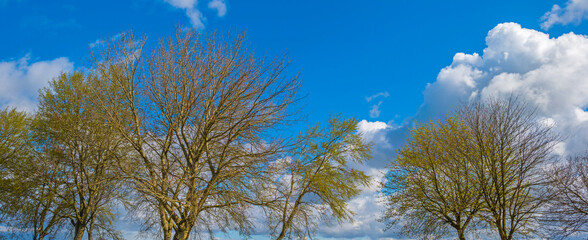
567 211
198 112
511 147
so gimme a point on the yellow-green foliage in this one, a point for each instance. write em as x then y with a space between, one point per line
431 185
322 178
13 134
325 164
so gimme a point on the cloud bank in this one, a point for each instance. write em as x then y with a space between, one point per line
548 73
574 12
20 80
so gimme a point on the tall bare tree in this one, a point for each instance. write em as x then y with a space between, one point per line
198 111
567 211
431 187
511 147
316 180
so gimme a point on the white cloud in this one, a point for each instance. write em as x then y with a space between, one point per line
375 109
375 133
96 43
574 12
20 80
368 205
190 6
99 42
549 73
220 6
365 127
195 15
384 137
182 3
380 94
367 208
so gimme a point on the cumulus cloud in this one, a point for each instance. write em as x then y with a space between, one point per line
367 208
385 139
574 12
548 73
219 5
20 80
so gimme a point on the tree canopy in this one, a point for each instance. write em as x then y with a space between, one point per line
182 134
483 164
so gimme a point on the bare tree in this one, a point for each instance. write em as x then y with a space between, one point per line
567 211
198 112
315 180
511 147
431 188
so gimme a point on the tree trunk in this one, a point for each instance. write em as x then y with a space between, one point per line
166 234
78 231
164 222
91 229
182 234
461 236
282 233
502 234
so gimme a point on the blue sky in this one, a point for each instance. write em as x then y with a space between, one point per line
345 51
413 60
